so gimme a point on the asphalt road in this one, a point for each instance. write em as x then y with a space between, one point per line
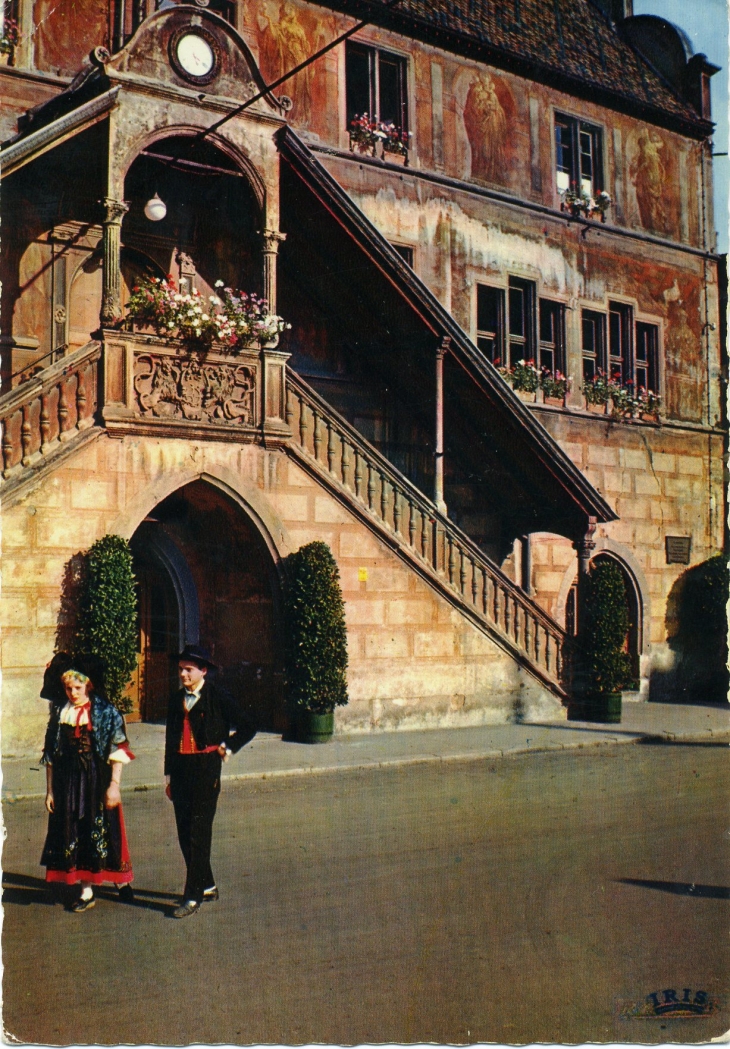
535 898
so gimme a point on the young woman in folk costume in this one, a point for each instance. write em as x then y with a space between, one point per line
84 751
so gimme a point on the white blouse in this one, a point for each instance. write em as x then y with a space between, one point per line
70 716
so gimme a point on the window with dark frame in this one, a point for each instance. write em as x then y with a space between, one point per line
521 320
490 322
630 354
405 252
594 343
376 83
578 155
646 364
620 342
510 319
552 336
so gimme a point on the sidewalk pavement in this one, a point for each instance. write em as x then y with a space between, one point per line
268 755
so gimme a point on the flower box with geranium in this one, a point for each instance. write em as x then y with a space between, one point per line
525 377
9 38
578 203
395 142
233 318
622 399
367 134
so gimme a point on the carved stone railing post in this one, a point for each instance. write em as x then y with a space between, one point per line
111 300
271 239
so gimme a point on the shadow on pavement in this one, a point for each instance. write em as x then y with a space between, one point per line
583 726
678 888
23 889
660 741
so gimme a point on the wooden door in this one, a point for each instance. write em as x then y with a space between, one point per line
155 676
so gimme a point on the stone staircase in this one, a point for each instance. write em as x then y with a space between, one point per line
341 460
45 419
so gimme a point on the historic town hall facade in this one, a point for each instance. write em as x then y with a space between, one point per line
489 225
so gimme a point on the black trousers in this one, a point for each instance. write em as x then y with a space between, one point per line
195 783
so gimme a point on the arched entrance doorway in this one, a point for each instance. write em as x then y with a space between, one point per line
633 642
206 575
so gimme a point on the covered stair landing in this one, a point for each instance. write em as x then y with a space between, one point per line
366 336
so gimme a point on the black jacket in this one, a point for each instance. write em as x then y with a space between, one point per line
216 718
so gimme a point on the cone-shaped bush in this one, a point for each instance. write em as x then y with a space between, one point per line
606 624
107 626
316 632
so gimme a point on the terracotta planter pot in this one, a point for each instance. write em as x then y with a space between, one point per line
396 158
597 409
528 396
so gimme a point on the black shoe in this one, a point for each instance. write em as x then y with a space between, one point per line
211 894
81 905
186 908
125 893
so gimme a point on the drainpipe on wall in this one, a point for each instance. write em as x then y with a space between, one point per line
438 495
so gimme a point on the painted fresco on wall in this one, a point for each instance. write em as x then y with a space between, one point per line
66 32
288 36
489 115
652 171
400 897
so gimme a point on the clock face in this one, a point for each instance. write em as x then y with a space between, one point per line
195 55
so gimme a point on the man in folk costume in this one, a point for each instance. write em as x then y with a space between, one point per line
205 725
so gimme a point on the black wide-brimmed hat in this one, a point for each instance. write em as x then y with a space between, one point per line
92 667
197 654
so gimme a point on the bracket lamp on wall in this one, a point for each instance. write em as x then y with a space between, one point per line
155 209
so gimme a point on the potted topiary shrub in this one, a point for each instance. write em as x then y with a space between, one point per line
107 617
316 642
605 663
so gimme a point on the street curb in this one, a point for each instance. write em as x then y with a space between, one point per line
404 762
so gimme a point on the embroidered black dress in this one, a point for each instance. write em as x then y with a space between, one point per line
85 840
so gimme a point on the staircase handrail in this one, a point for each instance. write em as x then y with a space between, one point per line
454 534
47 377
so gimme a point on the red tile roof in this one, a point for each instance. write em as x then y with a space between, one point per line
568 42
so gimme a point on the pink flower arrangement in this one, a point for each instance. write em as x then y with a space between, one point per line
367 133
233 318
9 37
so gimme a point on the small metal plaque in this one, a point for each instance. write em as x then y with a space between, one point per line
678 548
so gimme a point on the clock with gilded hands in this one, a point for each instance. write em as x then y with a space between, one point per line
195 54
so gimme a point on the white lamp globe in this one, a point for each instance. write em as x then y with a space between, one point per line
155 209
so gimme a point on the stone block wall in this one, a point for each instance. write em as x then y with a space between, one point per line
662 481
415 661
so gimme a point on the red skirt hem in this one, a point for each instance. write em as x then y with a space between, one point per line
94 877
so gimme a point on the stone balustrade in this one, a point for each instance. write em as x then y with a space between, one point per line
156 385
49 410
378 491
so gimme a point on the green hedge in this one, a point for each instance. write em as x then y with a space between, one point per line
316 632
107 622
606 623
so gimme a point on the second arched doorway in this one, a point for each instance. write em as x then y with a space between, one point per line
205 574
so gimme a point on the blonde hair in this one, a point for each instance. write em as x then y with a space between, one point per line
76 675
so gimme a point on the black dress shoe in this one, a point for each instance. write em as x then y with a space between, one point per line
126 895
211 894
186 908
81 905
